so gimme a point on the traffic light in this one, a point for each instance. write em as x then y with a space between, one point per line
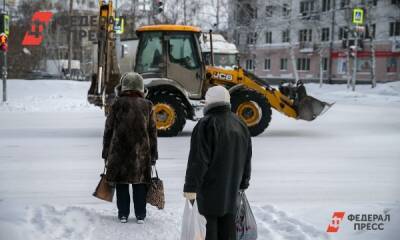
3 42
4 24
158 6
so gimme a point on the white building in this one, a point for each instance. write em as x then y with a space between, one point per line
276 36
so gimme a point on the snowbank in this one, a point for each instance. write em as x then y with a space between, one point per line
46 96
70 96
47 222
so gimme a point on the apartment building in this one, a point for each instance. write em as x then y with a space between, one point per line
275 37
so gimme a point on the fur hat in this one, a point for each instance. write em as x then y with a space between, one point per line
217 94
132 81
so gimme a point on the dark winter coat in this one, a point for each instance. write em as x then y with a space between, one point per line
130 140
219 161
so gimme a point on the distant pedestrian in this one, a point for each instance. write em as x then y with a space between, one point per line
219 164
130 146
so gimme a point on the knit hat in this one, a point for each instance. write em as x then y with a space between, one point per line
217 94
132 81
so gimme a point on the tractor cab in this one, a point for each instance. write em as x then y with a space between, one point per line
171 52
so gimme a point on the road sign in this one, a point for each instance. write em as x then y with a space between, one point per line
358 16
119 25
5 24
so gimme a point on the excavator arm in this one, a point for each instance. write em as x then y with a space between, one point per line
107 73
298 106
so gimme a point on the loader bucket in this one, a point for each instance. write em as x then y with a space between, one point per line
310 108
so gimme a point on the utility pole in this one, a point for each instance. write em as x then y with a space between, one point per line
4 70
184 12
71 5
291 47
353 84
218 9
332 37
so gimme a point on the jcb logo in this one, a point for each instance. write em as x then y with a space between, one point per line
223 76
34 36
337 217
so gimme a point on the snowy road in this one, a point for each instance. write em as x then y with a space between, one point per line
348 160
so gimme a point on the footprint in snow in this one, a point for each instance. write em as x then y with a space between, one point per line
275 224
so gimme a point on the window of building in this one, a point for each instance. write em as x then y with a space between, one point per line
394 29
395 1
268 37
252 38
286 36
284 64
326 5
325 64
370 31
325 34
285 10
343 33
249 10
267 64
269 11
391 65
305 35
303 64
250 64
92 4
344 3
306 7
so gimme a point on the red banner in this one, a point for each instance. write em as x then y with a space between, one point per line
361 54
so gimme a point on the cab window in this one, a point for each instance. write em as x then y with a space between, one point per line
150 55
182 51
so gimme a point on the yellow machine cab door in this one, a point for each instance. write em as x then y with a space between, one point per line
184 63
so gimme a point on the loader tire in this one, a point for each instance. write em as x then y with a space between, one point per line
170 113
253 108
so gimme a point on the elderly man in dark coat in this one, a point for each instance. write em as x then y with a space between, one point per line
130 146
218 165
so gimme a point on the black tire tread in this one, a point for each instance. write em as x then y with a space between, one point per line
180 110
241 96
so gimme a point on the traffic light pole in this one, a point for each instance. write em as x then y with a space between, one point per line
353 84
4 74
4 66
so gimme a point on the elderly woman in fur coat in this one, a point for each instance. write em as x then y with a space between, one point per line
130 146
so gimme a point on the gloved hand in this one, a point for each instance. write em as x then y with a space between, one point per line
190 195
153 162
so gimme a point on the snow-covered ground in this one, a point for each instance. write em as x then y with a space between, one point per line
347 160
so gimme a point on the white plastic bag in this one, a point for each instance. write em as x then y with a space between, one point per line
193 223
246 226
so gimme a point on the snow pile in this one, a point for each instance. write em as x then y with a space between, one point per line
46 96
364 94
47 222
70 96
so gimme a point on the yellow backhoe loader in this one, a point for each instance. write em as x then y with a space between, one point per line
169 59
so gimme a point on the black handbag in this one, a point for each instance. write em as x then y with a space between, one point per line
155 192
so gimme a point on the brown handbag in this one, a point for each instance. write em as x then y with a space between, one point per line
155 193
104 190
